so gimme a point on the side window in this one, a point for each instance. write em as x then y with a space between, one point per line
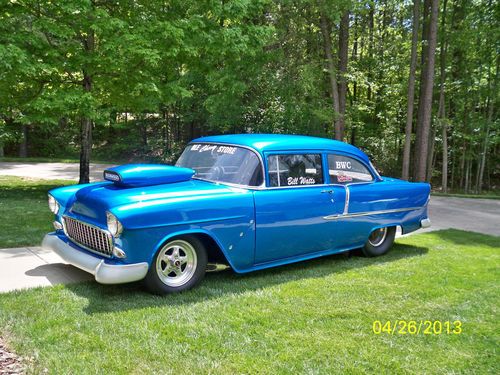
295 170
346 170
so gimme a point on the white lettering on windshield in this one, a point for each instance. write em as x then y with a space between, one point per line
226 150
219 149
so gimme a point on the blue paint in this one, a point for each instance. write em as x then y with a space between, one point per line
135 175
255 227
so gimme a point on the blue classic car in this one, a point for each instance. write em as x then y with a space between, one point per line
248 201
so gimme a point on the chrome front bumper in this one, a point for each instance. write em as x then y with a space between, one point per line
104 273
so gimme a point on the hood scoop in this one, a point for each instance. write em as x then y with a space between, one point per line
135 175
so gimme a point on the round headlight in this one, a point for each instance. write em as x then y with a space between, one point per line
114 226
53 205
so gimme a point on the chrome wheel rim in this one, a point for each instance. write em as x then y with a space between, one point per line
176 263
377 237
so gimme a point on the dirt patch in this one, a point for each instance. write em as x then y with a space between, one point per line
10 363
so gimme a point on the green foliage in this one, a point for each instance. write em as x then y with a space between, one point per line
165 72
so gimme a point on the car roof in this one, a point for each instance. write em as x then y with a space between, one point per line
283 142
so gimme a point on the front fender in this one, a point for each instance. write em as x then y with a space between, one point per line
228 219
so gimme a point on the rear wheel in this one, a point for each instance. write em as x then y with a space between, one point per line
179 265
379 242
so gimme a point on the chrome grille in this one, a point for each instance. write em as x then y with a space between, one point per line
88 236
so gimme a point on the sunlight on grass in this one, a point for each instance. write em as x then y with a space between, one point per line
312 317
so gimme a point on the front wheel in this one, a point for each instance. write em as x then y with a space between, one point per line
179 265
379 242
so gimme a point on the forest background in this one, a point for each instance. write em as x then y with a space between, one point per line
413 84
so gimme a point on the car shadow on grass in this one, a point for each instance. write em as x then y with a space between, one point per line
115 298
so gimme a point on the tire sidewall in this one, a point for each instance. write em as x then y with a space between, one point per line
372 251
157 286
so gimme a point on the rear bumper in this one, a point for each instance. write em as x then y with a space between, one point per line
104 273
425 223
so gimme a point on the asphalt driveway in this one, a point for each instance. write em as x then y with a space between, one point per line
475 215
50 171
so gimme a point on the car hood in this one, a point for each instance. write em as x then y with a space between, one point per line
93 200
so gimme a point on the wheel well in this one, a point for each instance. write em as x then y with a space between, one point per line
214 253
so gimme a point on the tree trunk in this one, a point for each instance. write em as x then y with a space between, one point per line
371 26
23 146
441 107
430 155
343 52
86 147
144 133
428 83
462 166
489 120
466 184
444 170
411 91
453 168
327 45
86 126
424 55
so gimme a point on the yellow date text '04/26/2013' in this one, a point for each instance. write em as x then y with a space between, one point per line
417 327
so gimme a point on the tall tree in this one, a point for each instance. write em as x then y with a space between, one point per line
424 120
441 106
411 91
332 73
343 56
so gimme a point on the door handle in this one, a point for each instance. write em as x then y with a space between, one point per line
327 191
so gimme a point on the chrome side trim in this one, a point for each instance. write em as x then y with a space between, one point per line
347 196
262 188
380 212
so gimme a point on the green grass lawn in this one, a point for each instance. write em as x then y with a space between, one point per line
313 317
24 213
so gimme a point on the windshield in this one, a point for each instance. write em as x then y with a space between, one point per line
222 163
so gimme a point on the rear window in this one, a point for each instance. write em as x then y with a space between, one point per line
346 170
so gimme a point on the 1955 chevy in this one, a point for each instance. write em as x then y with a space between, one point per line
248 201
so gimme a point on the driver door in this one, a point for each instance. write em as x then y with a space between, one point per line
290 211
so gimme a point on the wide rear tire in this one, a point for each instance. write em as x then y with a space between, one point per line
379 242
179 265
